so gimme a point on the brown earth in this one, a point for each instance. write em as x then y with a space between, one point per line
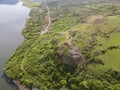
98 19
20 87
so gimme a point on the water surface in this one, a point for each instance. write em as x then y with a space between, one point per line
12 20
8 1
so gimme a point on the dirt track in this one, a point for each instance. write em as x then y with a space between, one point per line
45 30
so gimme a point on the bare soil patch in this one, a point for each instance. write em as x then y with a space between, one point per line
96 19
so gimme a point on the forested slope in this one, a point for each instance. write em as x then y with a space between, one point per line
79 51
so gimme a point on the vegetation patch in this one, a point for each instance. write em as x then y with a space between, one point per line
80 51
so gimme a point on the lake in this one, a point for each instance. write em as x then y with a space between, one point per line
12 21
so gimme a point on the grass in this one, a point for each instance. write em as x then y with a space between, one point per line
111 23
107 42
112 59
91 6
82 32
31 4
82 36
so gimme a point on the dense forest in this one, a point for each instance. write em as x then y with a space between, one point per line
69 45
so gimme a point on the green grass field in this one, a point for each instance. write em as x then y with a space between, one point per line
31 4
83 36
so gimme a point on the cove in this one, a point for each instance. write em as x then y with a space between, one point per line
12 22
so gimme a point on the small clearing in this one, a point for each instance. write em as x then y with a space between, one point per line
96 19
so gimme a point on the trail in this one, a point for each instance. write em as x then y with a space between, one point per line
45 30
48 19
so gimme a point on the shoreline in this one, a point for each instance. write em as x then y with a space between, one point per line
16 83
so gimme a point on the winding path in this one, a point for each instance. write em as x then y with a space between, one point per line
48 19
45 30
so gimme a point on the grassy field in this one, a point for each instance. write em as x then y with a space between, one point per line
112 56
107 36
31 4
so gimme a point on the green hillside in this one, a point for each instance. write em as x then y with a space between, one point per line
31 3
80 50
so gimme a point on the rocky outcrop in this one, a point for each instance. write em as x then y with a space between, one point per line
20 87
68 55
